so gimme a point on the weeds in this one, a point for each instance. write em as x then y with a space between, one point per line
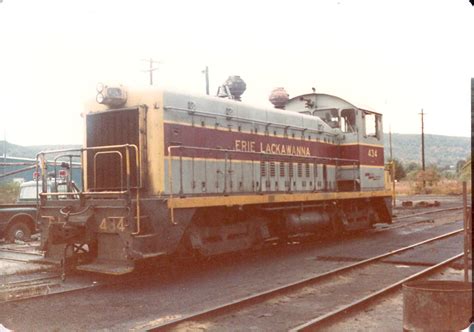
442 187
9 192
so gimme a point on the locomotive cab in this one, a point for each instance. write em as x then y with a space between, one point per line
359 137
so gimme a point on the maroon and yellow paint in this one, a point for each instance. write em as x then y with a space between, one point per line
248 146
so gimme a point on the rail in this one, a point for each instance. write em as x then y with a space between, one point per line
247 301
92 191
319 322
467 221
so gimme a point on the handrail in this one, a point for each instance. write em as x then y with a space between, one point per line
69 178
40 157
251 121
89 193
170 181
226 152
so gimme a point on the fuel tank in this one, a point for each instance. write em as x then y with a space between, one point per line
307 222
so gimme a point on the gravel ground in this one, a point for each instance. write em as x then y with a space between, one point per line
283 312
387 314
178 289
192 288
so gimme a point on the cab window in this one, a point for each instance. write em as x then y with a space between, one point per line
372 125
348 121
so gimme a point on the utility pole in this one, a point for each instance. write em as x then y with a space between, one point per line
206 74
392 166
423 146
390 140
4 150
151 68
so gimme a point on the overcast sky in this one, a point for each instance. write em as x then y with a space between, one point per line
390 57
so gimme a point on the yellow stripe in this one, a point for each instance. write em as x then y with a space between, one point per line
371 166
365 144
194 202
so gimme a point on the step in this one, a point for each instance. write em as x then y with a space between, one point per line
108 267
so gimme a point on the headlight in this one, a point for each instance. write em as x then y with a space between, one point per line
100 98
111 96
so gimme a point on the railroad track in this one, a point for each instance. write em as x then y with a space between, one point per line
429 212
286 291
29 287
408 223
18 255
35 283
20 251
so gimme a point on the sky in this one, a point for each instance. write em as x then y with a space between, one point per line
393 57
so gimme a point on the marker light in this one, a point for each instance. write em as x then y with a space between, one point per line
100 87
112 96
62 173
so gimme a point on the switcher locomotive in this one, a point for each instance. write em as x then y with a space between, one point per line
166 171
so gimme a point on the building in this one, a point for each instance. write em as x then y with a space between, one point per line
13 166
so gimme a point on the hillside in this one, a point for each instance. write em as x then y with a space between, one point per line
30 151
440 150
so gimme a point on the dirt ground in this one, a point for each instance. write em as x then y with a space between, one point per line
387 314
190 288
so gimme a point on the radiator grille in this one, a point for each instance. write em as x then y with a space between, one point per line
111 128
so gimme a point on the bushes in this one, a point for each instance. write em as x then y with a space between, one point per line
9 192
443 187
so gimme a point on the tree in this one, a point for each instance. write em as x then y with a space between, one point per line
399 169
412 167
459 166
431 175
465 171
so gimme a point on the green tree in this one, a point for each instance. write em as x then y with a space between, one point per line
431 175
9 192
412 167
465 171
399 170
459 165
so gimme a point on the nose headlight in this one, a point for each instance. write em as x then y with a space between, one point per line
111 96
99 98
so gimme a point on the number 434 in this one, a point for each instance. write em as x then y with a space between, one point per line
372 153
112 224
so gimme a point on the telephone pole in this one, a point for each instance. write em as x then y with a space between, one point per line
423 146
392 170
151 68
4 150
390 140
206 74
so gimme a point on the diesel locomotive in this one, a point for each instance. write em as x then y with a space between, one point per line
167 171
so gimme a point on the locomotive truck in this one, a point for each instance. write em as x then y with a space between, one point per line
167 171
